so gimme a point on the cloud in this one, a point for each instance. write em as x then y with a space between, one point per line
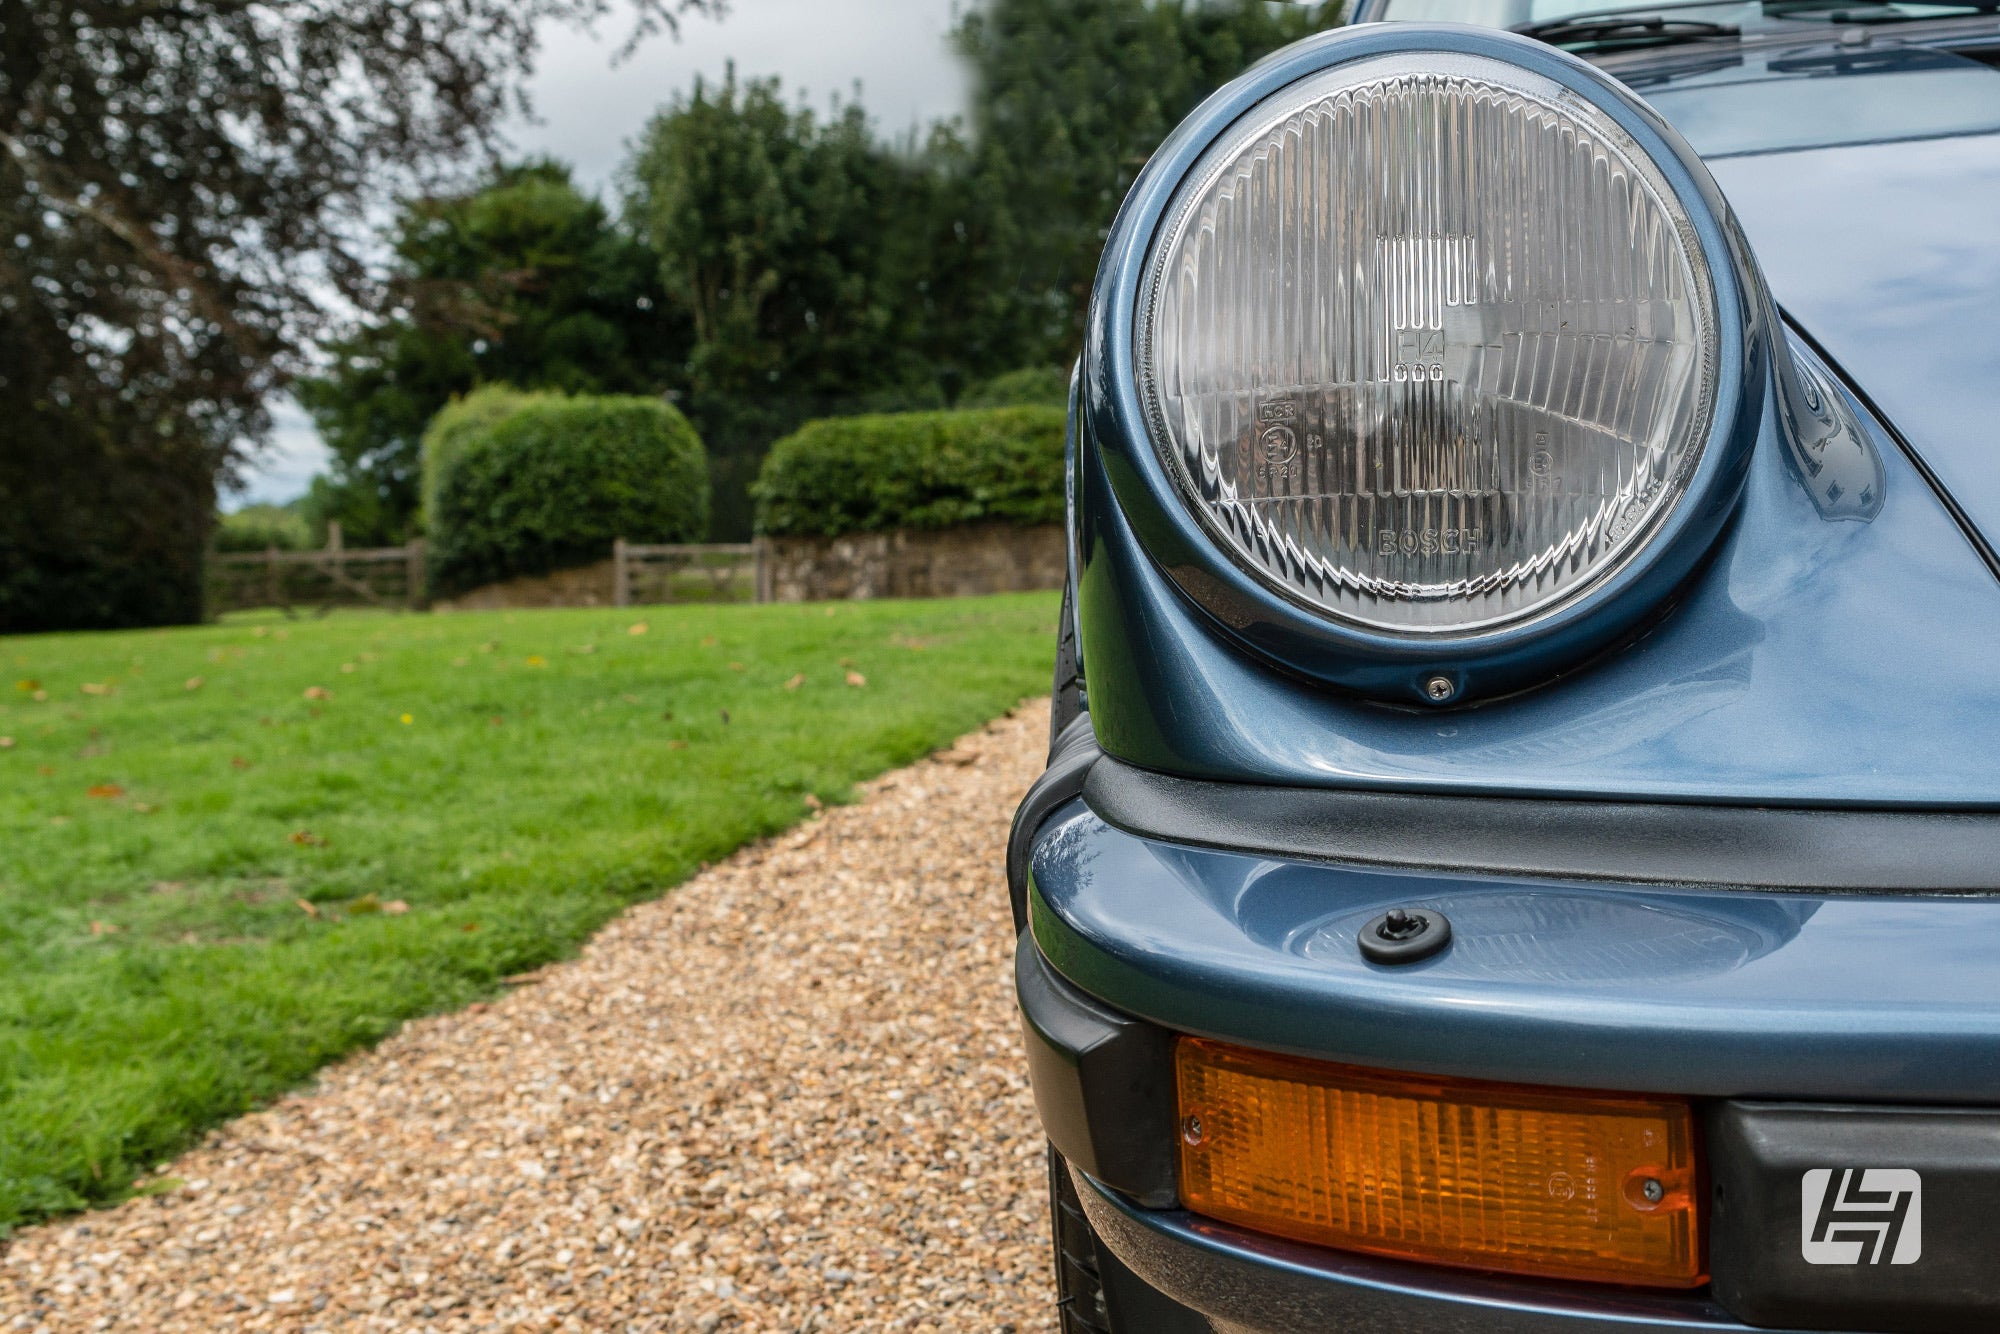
896 50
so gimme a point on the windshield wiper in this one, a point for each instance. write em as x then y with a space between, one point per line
1612 32
1872 11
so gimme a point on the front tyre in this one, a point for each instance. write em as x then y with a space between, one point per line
1080 1304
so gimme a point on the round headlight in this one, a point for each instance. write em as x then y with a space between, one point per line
1428 344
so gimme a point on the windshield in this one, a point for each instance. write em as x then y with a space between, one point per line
1753 16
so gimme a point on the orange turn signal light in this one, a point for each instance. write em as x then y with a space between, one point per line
1548 1182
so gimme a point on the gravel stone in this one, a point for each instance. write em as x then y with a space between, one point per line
787 1096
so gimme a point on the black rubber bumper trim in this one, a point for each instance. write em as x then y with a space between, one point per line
1070 760
1103 1082
1910 1246
1247 1284
1660 843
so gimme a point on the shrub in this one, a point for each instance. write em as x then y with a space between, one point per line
913 470
262 527
1037 384
97 534
552 485
458 422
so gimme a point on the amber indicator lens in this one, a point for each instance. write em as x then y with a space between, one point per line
1490 1176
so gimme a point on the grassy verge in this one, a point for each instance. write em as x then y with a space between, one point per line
230 854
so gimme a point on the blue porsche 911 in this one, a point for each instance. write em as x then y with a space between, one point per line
1521 837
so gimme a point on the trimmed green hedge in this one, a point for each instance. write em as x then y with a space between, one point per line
460 422
1037 384
913 470
262 527
556 482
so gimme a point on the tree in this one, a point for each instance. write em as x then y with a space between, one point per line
179 185
792 244
523 280
1070 99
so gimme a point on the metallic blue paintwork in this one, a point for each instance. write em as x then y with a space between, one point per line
1779 96
1813 662
1379 663
1688 992
1889 256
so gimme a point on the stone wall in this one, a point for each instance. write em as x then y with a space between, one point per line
914 563
585 586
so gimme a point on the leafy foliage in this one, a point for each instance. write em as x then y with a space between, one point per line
262 528
801 251
523 281
458 424
1037 384
1070 100
554 484
914 470
179 184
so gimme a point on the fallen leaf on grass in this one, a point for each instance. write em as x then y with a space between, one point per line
39 696
305 838
349 668
309 909
194 683
6 743
470 926
98 928
638 629
394 907
98 688
367 903
238 762
856 679
318 692
105 790
709 641
735 666
813 802
796 681
27 687
144 808
677 745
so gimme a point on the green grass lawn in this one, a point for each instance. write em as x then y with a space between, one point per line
229 854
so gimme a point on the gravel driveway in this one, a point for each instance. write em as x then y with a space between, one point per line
788 1096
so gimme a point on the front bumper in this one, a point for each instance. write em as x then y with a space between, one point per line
1738 999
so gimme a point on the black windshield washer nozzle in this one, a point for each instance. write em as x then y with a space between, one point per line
1405 935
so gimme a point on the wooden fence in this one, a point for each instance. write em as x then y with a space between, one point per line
319 581
717 572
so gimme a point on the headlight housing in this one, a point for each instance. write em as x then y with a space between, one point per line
1443 345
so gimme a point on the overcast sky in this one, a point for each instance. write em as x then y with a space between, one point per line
589 109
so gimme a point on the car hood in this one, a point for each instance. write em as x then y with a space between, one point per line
1868 181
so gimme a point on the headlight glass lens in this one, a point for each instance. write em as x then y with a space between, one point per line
1428 344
